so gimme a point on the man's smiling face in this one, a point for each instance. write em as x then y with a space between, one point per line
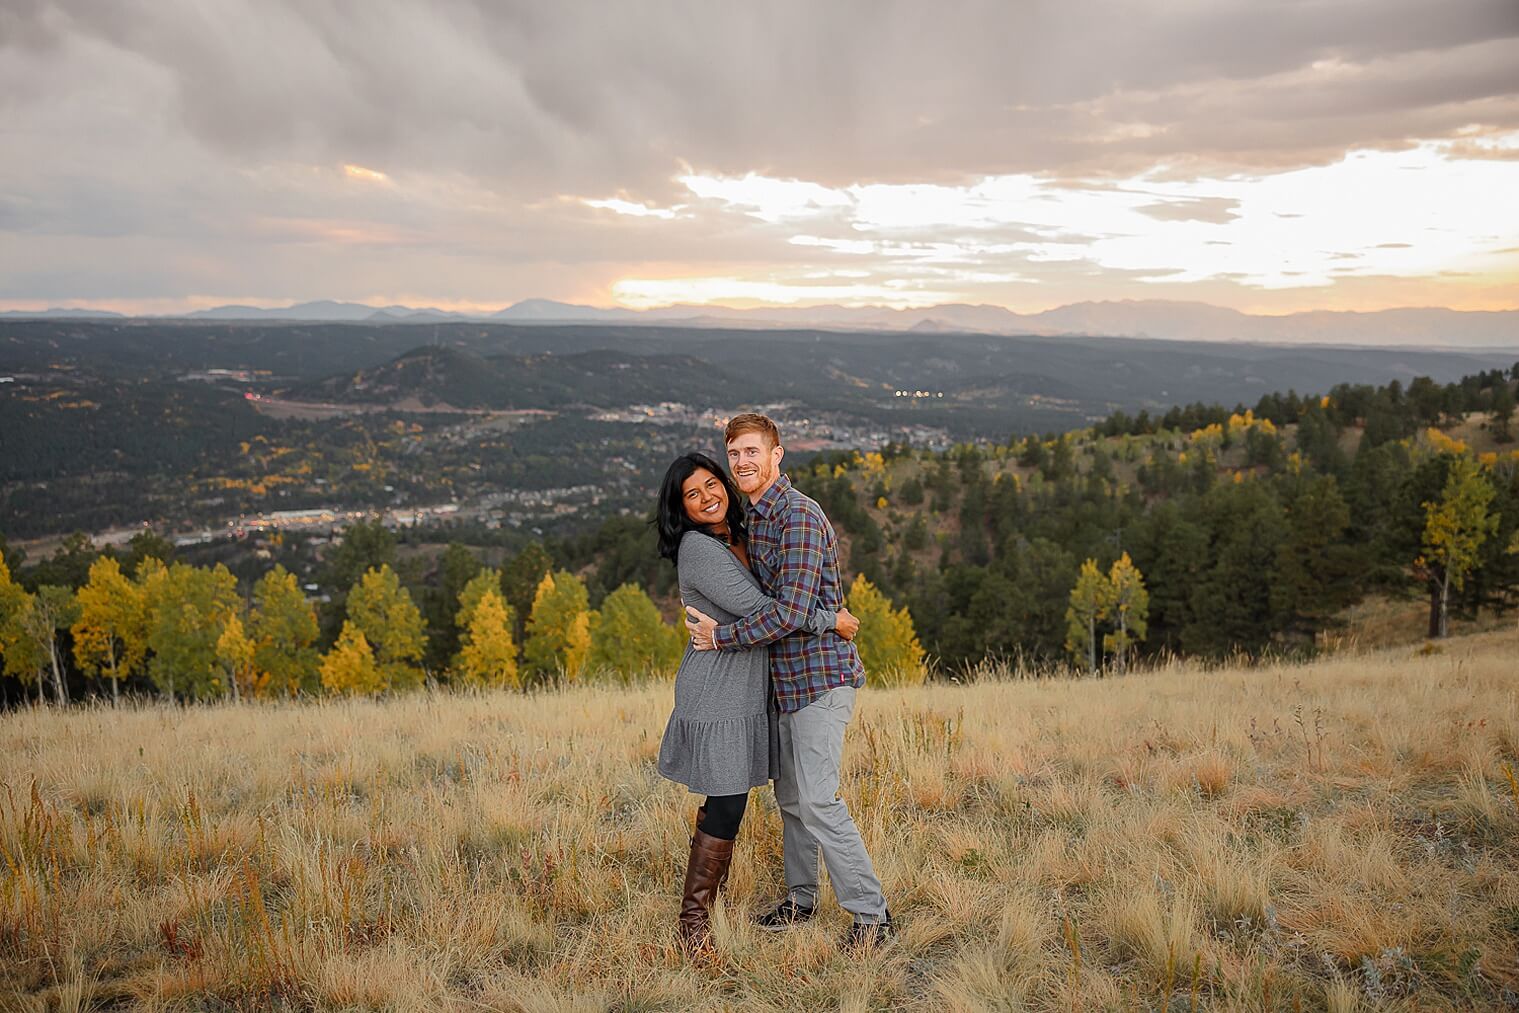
754 463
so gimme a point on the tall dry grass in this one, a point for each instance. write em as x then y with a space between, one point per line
1336 835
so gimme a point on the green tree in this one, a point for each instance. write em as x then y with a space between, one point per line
23 659
1129 605
1230 599
1455 527
440 601
366 545
519 581
283 628
110 635
887 641
1313 576
558 630
487 652
1502 421
187 608
1090 601
629 638
390 621
350 666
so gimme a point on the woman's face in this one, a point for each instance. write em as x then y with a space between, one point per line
705 498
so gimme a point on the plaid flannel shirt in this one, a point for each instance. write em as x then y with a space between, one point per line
796 557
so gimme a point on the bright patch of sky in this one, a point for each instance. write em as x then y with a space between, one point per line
1440 206
644 293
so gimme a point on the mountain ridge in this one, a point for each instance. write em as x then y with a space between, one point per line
1413 326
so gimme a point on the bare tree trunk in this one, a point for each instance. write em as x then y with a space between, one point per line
1123 643
232 678
1092 646
59 689
41 700
115 687
1445 605
1434 610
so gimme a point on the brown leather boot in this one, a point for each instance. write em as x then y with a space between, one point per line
706 871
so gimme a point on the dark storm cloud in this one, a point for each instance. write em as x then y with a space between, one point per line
564 96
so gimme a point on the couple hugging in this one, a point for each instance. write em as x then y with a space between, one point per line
767 685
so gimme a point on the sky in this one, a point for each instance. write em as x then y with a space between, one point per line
168 155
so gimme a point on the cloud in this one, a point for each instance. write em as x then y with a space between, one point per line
287 149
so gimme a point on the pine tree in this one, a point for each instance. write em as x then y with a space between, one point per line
558 630
383 611
487 653
234 656
456 568
1090 602
887 642
1130 609
350 666
629 638
1313 577
1502 412
519 581
1454 529
283 628
110 636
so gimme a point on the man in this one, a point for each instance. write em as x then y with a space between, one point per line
795 555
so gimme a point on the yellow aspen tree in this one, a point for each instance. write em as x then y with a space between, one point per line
234 654
350 666
558 630
391 622
887 640
629 637
1129 606
283 628
1090 600
487 654
24 657
110 635
1455 526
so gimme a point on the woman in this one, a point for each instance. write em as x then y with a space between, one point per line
720 740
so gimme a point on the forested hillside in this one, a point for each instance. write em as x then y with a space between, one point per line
1206 531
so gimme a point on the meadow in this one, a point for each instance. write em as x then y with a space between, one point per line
1341 834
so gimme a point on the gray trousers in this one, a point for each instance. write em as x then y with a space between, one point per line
812 814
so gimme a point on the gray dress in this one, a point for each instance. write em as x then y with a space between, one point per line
721 738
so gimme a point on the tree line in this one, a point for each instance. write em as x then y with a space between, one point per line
185 631
1253 529
1208 531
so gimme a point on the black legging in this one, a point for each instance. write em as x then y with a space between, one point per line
723 815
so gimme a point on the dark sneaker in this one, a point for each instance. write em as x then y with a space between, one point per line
870 935
785 914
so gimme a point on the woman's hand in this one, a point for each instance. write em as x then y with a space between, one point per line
846 625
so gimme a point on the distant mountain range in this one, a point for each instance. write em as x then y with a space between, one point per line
1181 321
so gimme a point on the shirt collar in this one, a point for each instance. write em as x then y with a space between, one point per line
772 498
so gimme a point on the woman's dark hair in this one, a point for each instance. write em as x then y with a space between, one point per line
670 512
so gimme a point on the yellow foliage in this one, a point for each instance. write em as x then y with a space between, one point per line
1443 444
887 642
488 655
350 666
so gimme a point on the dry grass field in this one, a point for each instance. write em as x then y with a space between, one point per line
1337 835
